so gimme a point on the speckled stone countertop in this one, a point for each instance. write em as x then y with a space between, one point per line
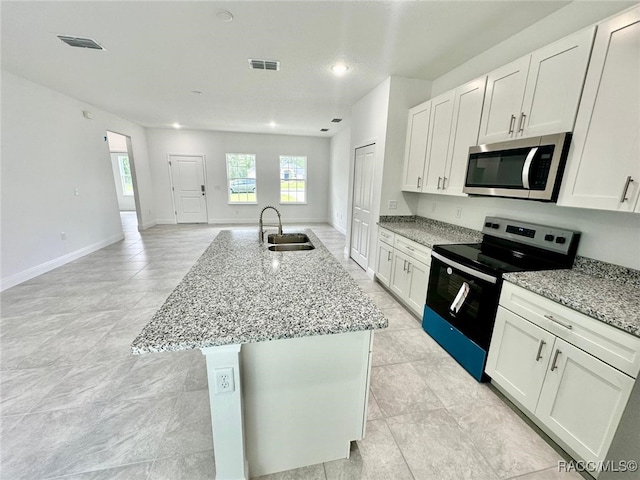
428 232
240 292
606 292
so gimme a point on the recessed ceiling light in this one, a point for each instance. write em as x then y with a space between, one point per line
339 69
272 124
224 16
196 92
176 125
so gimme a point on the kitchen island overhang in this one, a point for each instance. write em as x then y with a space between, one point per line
294 330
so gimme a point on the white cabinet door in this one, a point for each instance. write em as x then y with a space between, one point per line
518 357
554 85
582 400
399 277
503 99
417 289
467 110
603 169
438 142
416 147
384 262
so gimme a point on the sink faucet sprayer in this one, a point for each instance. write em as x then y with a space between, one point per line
261 233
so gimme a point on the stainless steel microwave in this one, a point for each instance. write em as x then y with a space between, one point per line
529 168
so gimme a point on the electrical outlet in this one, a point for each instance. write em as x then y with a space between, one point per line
63 235
224 380
458 212
393 204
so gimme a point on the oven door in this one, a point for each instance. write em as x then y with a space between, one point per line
464 297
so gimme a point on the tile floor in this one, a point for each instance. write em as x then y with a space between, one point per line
75 403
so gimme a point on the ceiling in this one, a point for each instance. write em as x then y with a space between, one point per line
159 52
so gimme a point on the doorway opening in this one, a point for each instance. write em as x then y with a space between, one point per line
123 168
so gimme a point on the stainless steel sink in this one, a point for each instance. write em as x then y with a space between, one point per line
287 238
287 247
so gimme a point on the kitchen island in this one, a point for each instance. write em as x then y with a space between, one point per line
287 338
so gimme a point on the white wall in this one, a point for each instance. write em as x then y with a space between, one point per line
214 145
48 150
340 154
612 237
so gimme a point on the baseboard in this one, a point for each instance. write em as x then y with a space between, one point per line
144 226
339 228
166 221
33 272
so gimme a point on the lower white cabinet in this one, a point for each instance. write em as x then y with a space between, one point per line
571 393
403 266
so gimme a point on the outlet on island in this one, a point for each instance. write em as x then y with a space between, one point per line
224 380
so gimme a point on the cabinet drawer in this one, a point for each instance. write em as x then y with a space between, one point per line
413 249
386 236
615 347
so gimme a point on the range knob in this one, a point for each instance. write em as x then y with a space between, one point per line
495 225
561 240
549 238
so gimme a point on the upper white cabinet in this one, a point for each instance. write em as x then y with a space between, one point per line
416 147
537 94
467 109
438 141
603 169
439 134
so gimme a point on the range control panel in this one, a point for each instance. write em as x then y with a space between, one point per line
550 238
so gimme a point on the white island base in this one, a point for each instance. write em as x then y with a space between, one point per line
295 402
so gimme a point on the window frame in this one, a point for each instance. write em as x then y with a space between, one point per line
124 176
230 201
305 180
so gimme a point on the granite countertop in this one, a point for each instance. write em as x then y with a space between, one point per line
240 292
603 291
428 232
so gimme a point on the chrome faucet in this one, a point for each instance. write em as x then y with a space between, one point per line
261 233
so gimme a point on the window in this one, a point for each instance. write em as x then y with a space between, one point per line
241 177
293 179
125 175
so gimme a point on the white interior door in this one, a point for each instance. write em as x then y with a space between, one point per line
362 200
188 188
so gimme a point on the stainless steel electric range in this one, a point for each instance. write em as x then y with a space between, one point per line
465 282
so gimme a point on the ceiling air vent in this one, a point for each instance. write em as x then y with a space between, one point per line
81 42
336 120
264 64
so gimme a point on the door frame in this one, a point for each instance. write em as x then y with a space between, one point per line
134 177
352 182
171 185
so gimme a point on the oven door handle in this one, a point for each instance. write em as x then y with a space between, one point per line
470 271
526 169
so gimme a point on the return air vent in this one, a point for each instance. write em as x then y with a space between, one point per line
264 64
81 42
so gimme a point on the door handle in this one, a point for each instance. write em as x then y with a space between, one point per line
623 198
539 354
512 122
522 119
202 189
554 364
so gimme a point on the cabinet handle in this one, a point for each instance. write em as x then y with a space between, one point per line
388 256
522 119
512 122
408 265
555 320
411 249
419 179
555 359
539 354
439 180
444 181
626 188
405 266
